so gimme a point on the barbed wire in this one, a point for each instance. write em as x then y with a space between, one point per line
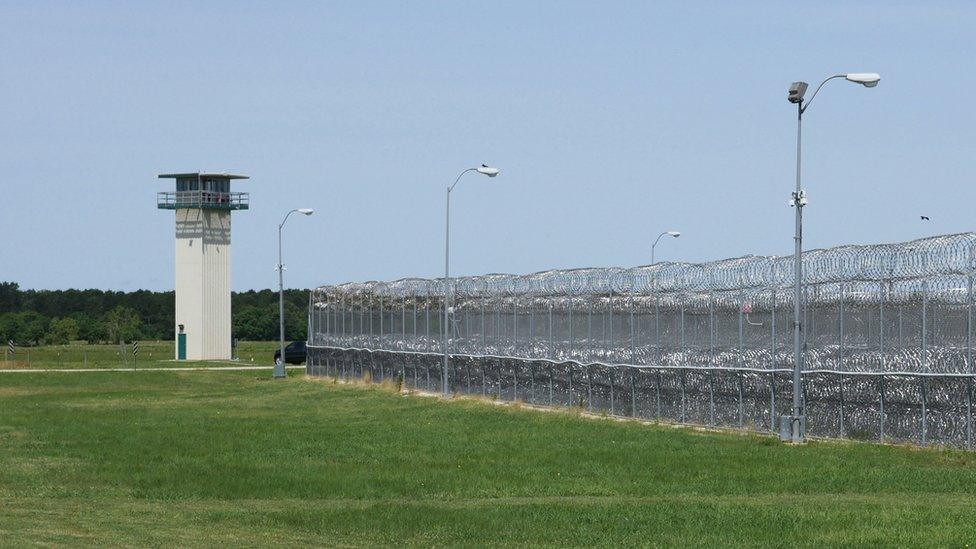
933 257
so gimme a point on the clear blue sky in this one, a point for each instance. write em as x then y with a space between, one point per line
610 121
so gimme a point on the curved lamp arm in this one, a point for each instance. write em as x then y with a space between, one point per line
451 188
812 97
282 224
658 239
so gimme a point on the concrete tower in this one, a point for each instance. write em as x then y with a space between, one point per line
203 203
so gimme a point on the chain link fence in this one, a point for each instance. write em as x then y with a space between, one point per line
887 338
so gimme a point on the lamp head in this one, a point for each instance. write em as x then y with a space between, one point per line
866 79
797 89
674 234
484 169
306 211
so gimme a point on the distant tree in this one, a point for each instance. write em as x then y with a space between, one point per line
296 322
25 328
62 331
255 313
9 327
122 324
90 330
256 323
9 297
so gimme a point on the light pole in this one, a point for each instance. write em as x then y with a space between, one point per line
484 170
799 200
279 367
672 234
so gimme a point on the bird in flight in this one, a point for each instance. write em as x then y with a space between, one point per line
925 218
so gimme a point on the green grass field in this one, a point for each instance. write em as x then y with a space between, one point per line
151 354
207 458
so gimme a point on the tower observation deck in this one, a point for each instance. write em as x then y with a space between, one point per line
209 191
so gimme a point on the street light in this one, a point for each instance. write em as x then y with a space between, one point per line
279 367
484 170
672 234
799 200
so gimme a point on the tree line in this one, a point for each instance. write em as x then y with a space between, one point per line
34 317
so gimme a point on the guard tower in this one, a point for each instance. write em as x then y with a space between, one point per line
203 203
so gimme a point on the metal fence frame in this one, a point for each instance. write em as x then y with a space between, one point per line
894 321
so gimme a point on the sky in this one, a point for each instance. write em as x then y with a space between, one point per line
610 122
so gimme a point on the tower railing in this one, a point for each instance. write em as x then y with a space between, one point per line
171 200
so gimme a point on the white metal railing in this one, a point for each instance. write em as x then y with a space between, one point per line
202 199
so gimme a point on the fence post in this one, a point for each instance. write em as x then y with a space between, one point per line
969 360
841 406
969 412
610 370
742 339
742 411
772 328
589 388
552 350
658 392
500 367
532 381
531 351
682 331
325 315
881 330
514 380
467 373
925 306
497 313
633 334
657 326
589 333
684 374
969 323
633 395
515 349
572 339
464 331
550 384
840 332
711 357
711 397
711 327
924 411
881 394
609 344
370 338
569 395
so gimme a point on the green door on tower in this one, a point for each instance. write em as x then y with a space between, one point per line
181 346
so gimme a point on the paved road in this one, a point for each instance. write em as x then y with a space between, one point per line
165 369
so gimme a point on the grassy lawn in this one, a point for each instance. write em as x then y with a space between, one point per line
206 458
151 354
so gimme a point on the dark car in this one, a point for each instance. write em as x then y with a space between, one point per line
294 353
